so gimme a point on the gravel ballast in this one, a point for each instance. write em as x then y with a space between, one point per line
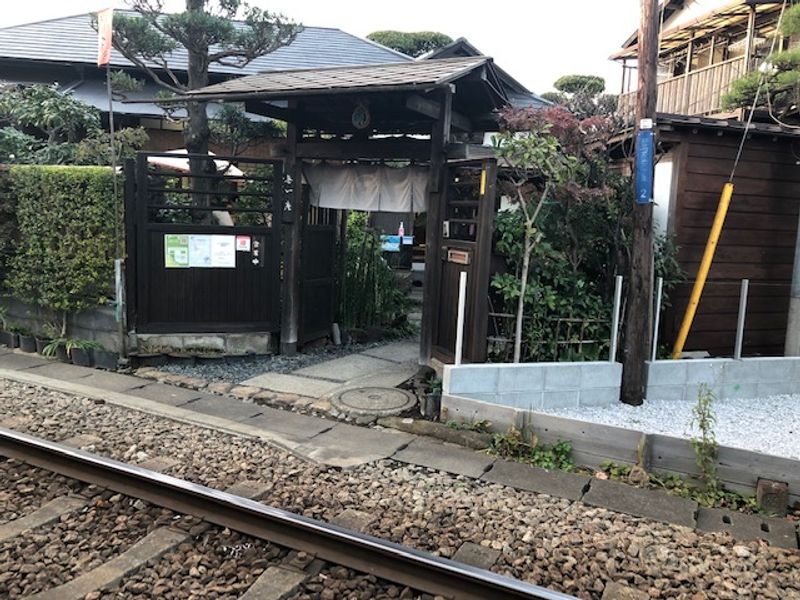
24 489
552 542
768 425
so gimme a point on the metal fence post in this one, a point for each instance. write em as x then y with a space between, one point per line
615 318
462 301
659 289
737 352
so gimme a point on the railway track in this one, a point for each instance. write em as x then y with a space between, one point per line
307 539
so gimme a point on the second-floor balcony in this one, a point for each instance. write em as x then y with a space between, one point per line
698 92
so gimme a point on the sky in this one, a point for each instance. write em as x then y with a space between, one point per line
536 41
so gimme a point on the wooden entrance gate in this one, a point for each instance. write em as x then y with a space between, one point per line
204 247
317 273
465 245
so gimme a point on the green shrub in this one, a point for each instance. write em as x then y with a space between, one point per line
370 294
64 256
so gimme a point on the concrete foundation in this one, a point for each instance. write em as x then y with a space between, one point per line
257 342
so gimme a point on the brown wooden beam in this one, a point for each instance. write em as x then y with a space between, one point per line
433 224
431 108
387 148
290 305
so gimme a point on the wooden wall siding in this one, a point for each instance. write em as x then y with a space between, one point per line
757 241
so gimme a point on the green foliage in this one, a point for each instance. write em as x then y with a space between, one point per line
96 149
63 259
476 426
679 486
370 293
47 126
516 445
741 92
580 84
16 145
791 20
413 44
705 446
583 96
232 129
122 83
55 115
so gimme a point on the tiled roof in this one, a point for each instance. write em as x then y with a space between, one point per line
72 40
419 74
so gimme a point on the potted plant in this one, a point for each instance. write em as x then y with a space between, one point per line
433 400
105 359
8 337
50 332
80 351
27 341
56 348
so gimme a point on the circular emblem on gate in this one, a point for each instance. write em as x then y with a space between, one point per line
361 117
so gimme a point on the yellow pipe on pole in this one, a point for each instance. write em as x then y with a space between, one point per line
705 266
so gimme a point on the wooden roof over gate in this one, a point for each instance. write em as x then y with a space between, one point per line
426 74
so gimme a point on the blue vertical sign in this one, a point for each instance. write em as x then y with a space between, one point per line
645 154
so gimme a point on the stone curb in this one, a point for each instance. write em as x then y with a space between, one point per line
610 495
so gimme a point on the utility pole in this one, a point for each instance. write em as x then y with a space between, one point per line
640 284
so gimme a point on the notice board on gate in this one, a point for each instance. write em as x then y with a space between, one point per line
184 251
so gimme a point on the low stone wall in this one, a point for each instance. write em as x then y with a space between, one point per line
594 443
536 386
98 323
228 343
726 377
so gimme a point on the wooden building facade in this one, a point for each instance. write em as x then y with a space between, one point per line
759 236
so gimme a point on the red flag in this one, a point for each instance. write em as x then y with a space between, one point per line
104 18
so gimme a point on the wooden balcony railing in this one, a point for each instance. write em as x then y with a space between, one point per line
696 93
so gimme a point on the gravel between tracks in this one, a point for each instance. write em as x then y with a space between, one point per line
549 541
23 489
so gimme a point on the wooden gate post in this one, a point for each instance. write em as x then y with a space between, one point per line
440 135
290 305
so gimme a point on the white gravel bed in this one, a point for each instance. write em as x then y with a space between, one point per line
768 425
562 545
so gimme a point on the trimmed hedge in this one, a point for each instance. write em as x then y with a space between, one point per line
63 258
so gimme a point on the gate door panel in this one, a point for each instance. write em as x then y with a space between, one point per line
206 248
466 246
318 282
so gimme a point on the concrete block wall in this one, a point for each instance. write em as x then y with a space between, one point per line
536 386
726 377
97 323
227 343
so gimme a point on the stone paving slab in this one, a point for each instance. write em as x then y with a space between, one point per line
113 382
639 502
445 457
396 352
275 583
63 371
293 384
152 546
291 425
228 408
476 555
387 378
166 394
354 520
19 360
343 369
44 515
348 445
533 479
778 532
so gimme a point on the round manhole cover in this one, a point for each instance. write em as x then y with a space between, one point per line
373 401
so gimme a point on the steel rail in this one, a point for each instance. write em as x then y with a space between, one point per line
387 560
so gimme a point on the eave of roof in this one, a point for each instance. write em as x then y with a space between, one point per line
335 80
675 121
